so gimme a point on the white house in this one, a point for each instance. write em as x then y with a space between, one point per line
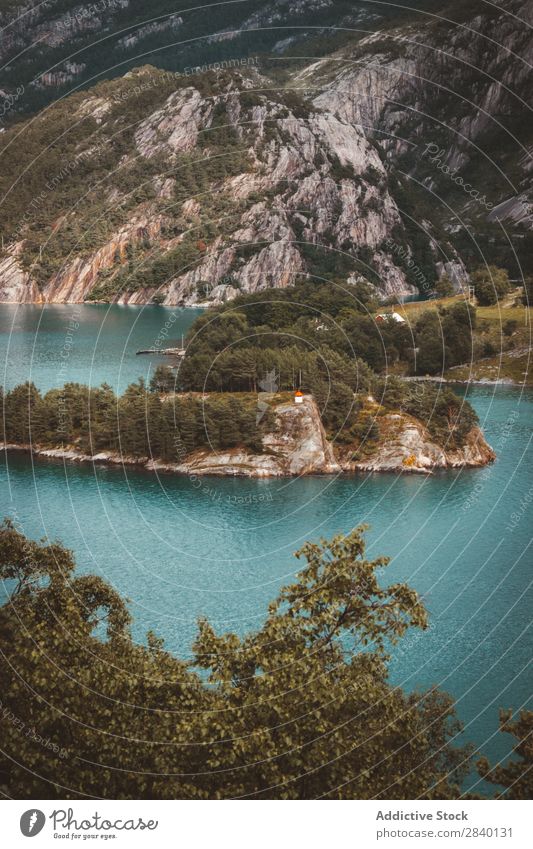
395 316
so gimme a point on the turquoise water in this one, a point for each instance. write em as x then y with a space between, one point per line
84 343
221 547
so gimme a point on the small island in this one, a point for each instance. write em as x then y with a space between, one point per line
239 434
301 381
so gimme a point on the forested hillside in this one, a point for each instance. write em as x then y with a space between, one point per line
398 156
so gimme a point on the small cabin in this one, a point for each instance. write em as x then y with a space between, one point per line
388 316
298 397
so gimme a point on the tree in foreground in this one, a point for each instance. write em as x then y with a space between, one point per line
301 708
516 776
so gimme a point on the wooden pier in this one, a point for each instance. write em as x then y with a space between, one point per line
171 352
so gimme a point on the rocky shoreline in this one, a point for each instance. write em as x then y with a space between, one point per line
471 381
298 445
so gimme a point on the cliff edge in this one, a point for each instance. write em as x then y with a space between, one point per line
405 445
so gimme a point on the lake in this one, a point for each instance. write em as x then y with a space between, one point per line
84 343
178 548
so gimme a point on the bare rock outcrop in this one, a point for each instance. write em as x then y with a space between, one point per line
405 445
296 446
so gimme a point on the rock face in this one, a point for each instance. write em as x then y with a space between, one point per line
298 446
299 177
408 447
17 285
447 90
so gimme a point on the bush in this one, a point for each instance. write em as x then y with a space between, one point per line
490 284
444 287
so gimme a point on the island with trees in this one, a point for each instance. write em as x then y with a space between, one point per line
229 406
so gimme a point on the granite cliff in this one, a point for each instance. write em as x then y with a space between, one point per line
378 160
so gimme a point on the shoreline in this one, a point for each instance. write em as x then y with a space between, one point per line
237 469
482 381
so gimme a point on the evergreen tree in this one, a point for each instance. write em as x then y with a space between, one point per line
163 379
22 414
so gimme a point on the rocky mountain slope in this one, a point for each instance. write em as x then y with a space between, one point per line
448 102
396 158
191 189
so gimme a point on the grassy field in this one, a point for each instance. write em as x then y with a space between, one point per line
510 365
503 311
513 362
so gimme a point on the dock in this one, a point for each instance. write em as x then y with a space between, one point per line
171 352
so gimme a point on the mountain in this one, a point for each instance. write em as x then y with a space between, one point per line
54 47
450 105
398 155
189 189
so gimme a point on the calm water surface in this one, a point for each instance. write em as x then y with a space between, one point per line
222 547
84 343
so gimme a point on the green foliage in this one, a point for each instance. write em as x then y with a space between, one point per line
298 709
490 284
510 327
444 287
326 262
22 414
340 171
163 379
444 338
517 775
447 417
322 338
317 316
148 274
138 424
422 273
297 315
299 106
337 404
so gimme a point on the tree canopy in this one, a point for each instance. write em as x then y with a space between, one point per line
490 284
162 425
516 776
299 327
300 708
